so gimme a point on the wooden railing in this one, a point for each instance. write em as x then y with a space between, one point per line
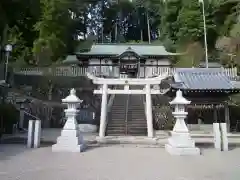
74 71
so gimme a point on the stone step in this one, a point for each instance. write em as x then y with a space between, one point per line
129 131
129 122
135 119
136 110
135 141
117 112
117 118
116 130
116 125
134 129
138 126
118 107
128 126
120 133
129 119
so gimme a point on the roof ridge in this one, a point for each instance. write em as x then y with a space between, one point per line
126 44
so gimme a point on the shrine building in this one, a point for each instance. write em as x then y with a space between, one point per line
117 60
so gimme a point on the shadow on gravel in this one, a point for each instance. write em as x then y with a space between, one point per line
7 151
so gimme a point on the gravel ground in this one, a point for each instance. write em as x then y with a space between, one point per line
116 163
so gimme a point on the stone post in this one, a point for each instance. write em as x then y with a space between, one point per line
37 134
217 136
34 134
224 135
70 139
103 111
149 111
30 138
180 142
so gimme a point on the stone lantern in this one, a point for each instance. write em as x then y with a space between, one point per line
180 142
70 139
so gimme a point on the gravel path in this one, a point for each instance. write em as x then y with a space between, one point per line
116 163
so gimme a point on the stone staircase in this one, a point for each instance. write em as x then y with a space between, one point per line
136 118
127 116
116 118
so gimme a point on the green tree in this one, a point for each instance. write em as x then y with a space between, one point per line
190 22
169 14
16 26
52 31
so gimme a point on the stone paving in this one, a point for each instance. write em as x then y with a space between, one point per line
116 163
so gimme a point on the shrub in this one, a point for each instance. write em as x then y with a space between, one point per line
9 116
163 118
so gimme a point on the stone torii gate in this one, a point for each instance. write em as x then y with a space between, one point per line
126 82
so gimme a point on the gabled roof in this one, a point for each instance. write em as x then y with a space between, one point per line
203 79
118 49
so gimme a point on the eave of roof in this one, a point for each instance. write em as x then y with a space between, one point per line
70 59
118 49
86 54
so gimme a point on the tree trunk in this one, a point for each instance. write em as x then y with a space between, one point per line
149 30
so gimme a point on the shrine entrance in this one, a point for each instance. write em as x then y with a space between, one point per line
148 90
129 63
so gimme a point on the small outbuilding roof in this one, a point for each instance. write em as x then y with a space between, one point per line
203 79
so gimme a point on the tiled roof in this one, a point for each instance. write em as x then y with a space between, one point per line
71 59
203 79
118 49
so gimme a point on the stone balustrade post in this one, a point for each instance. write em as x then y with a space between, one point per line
34 134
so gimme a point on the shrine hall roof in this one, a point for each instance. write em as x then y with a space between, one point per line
204 79
118 49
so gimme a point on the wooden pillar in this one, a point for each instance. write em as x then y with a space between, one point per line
100 67
144 69
21 116
215 116
227 119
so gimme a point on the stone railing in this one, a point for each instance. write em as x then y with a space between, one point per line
55 71
74 71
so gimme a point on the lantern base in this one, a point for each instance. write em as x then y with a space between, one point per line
181 151
61 148
181 143
69 141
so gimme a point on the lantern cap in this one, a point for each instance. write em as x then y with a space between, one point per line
179 99
8 48
72 98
